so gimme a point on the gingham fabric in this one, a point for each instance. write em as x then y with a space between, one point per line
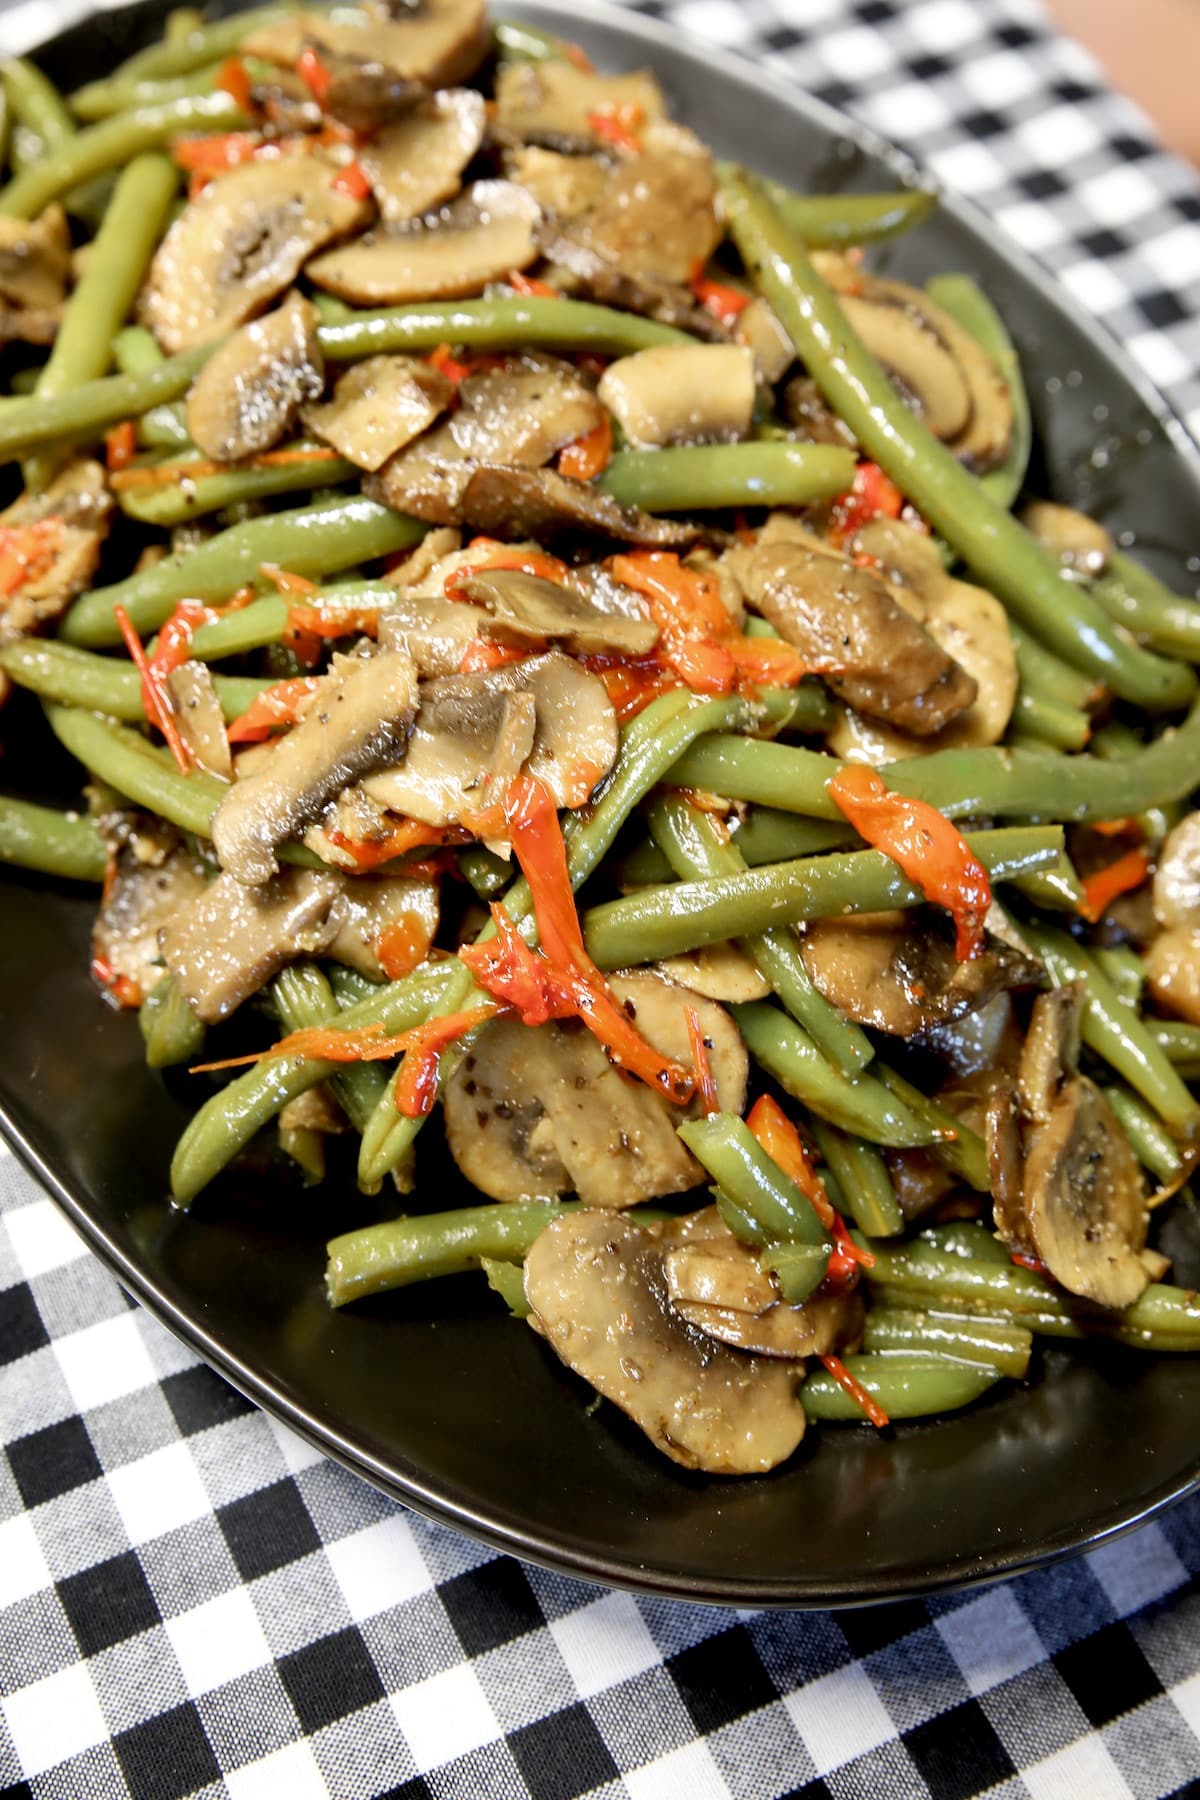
194 1602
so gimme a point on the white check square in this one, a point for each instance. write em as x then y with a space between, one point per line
105 1361
378 1567
1081 1771
23 1567
604 1643
217 1642
840 1717
158 1493
54 1719
42 1238
447 1716
690 1770
991 1640
292 1771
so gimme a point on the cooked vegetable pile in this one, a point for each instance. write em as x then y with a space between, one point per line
548 642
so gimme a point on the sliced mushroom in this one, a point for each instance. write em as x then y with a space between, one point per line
715 1283
229 940
35 261
1082 546
1177 877
366 94
923 367
883 662
385 924
435 42
198 714
543 1111
153 877
379 405
477 238
983 1039
903 977
805 409
540 503
681 394
1173 971
360 718
759 328
417 163
596 1289
719 972
240 243
521 413
1006 1168
314 1110
556 104
247 395
655 220
474 733
436 633
525 607
1085 1199
57 536
563 186
1050 1054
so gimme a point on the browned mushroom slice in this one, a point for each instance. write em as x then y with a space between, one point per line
240 243
1085 1199
377 406
804 408
555 103
35 261
198 714
436 42
250 390
477 238
366 94
884 971
845 618
1082 546
384 923
1173 971
224 944
719 972
595 1287
583 274
153 877
563 186
681 394
654 220
1006 1168
526 607
1177 877
417 163
475 732
544 1111
436 633
927 373
360 718
1050 1054
539 503
715 1283
58 535
759 328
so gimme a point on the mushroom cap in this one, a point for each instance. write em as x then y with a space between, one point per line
435 42
249 391
597 1293
457 250
1082 545
527 607
1177 877
378 406
417 162
681 393
1085 1199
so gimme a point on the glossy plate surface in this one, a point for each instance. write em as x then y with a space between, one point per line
435 1394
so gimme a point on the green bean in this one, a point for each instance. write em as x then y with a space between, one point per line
508 1280
954 1143
695 851
311 541
686 915
994 783
303 998
1043 721
54 843
862 1175
1115 742
111 277
171 1031
86 411
1152 1144
43 124
862 1105
697 477
101 684
392 1255
208 43
1004 1348
163 428
1125 969
130 764
1057 887
230 1118
905 1387
725 1146
968 1238
1147 607
1002 554
111 144
1178 1042
487 873
502 321
836 221
23 381
101 99
187 498
1046 675
6 124
1113 1031
970 307
351 985
767 835
306 1148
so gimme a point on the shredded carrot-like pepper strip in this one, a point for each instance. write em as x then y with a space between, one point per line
154 696
1105 885
706 1081
836 1367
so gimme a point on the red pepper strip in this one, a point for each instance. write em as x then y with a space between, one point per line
1105 885
724 303
233 79
417 1083
771 1126
403 945
352 180
482 654
313 74
447 364
413 834
576 54
121 988
154 697
340 621
1024 1261
369 1044
706 1082
588 456
836 1367
120 446
530 284
561 979
630 685
213 154
174 645
618 126
272 710
27 552
286 581
873 495
923 842
503 556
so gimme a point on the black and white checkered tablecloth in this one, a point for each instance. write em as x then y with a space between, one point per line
192 1601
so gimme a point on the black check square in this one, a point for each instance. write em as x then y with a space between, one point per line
52 1461
20 1791
330 1678
416 1789
721 1679
109 1602
958 1752
268 1529
816 1789
562 1755
1163 309
867 1628
167 1756
491 1605
21 1328
199 1399
1107 1673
